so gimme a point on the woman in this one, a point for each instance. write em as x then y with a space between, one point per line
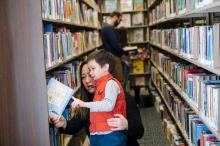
80 119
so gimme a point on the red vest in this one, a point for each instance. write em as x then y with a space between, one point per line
98 120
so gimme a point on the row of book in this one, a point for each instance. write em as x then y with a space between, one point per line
138 35
122 5
69 75
190 123
133 19
199 42
172 134
60 43
70 11
57 138
171 8
200 87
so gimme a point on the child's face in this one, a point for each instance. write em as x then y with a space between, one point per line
96 71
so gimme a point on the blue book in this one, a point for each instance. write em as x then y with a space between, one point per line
58 96
48 28
212 82
199 128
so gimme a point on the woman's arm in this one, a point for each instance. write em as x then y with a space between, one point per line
135 126
133 122
71 126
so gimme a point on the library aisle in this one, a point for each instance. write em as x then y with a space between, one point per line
153 134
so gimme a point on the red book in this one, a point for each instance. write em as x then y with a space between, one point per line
191 71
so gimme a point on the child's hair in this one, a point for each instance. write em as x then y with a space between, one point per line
103 57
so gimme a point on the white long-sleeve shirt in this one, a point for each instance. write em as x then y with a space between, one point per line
112 90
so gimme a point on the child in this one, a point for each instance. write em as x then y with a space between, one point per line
108 100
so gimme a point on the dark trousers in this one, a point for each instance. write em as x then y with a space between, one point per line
116 138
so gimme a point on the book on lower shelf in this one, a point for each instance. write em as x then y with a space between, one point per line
137 66
58 96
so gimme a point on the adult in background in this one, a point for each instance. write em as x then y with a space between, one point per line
112 43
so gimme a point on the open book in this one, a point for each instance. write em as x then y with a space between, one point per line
58 96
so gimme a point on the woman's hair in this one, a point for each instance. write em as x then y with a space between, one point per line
85 95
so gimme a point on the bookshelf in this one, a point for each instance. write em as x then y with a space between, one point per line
124 12
183 132
71 58
184 96
215 70
92 4
133 19
70 24
70 33
164 23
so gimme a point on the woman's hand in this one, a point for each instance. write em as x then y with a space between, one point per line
119 122
59 122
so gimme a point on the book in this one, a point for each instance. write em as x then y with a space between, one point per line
110 6
126 5
126 21
138 5
58 96
138 66
138 18
136 35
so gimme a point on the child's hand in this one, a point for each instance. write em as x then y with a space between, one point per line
77 103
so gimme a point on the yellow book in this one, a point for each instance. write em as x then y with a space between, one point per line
138 66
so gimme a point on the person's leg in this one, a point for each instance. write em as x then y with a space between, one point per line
118 73
126 69
93 140
117 138
137 95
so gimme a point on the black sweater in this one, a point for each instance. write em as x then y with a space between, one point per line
135 127
111 40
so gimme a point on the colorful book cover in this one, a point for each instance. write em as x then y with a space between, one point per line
138 18
138 66
110 5
126 5
138 5
58 96
126 20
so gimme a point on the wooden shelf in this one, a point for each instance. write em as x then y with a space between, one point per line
62 22
139 74
123 12
154 4
200 12
186 98
92 5
197 63
137 26
70 59
138 43
183 131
